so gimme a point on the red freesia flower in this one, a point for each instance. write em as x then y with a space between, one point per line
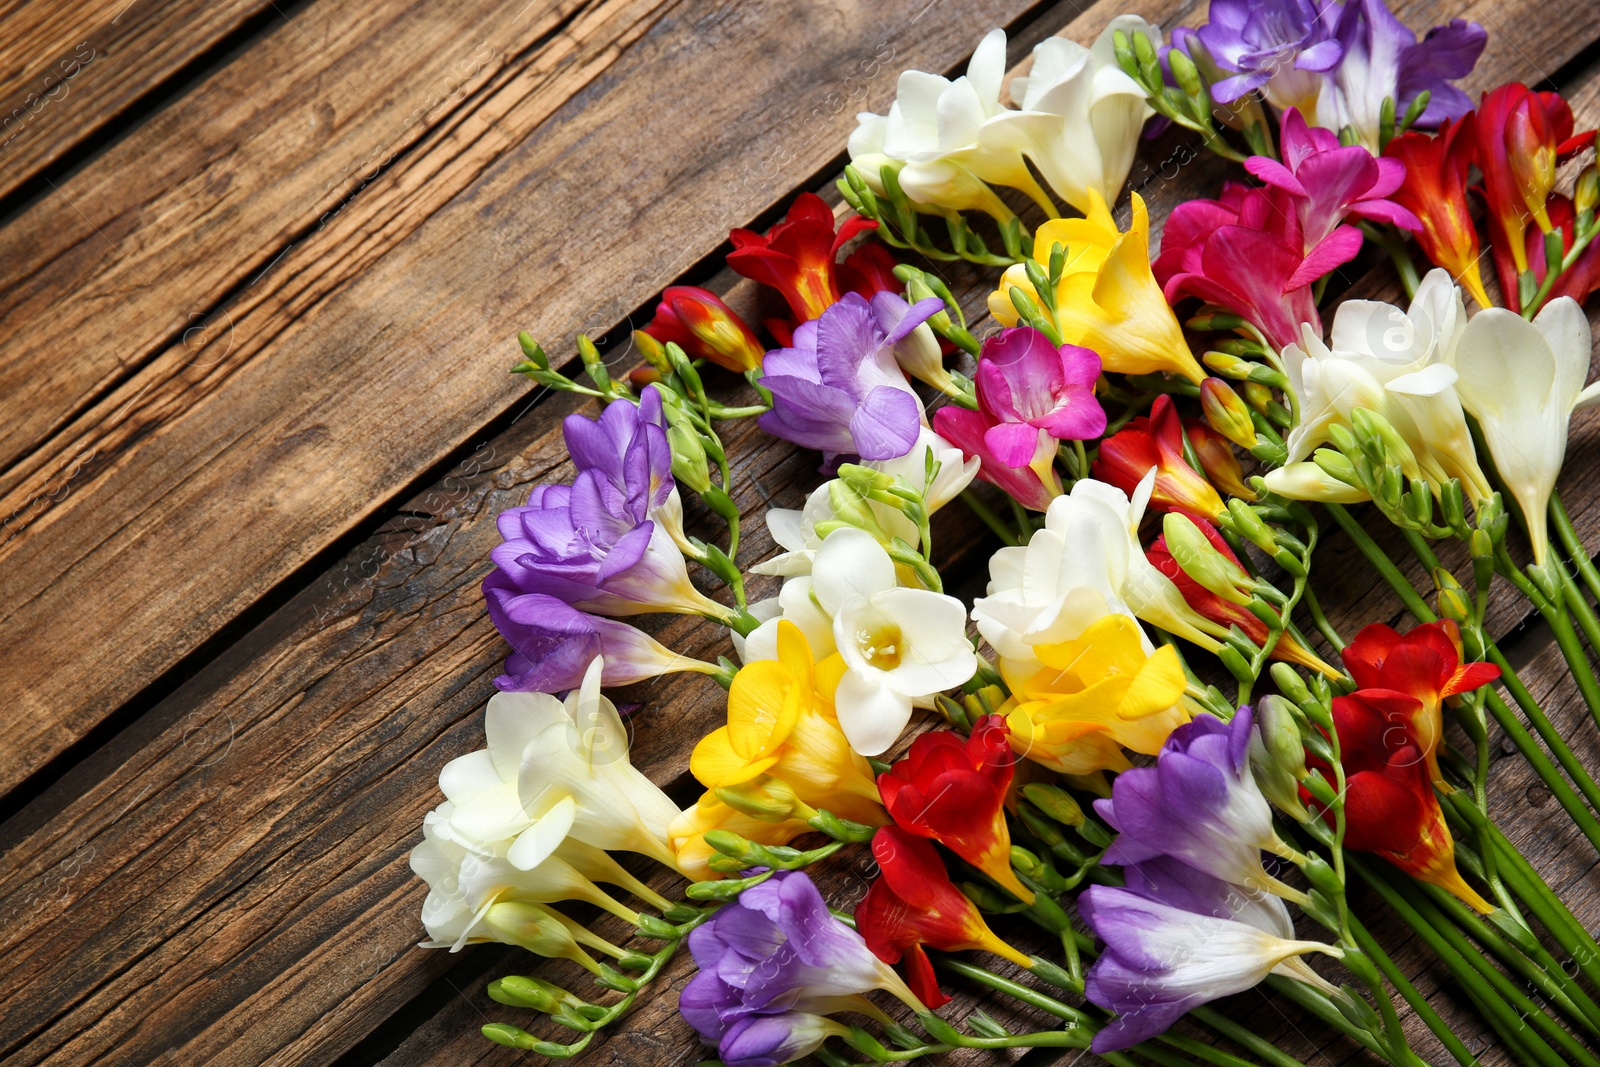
1221 611
868 270
1521 137
1435 190
1389 804
1578 280
1217 458
797 257
1157 441
953 791
1424 664
914 904
697 321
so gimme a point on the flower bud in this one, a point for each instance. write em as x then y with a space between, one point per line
1258 396
1216 458
765 798
1374 431
653 352
1244 521
1586 194
919 355
689 464
1199 559
704 327
1226 413
1453 602
1054 802
537 929
1227 365
519 992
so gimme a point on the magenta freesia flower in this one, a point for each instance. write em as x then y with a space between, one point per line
839 389
1033 484
1243 252
777 953
1329 183
607 543
1036 393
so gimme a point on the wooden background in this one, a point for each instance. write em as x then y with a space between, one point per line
261 269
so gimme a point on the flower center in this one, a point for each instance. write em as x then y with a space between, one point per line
880 644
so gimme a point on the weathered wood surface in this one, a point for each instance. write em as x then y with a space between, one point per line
224 879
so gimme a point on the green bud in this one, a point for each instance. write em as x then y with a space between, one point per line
1277 756
535 993
1226 413
1337 466
1200 560
1586 194
1185 73
533 351
765 798
1054 802
1372 429
1481 544
1453 601
1323 878
515 1037
657 929
593 366
1289 683
1027 863
1234 661
1258 396
1228 365
535 928
689 464
1216 320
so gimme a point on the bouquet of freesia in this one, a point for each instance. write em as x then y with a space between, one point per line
1147 740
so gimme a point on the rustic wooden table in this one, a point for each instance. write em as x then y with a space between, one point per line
261 269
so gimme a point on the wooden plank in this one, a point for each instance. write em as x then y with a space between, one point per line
70 71
418 281
205 197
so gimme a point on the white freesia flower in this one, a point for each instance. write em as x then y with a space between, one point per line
1086 563
1398 364
1522 380
900 646
1079 123
796 531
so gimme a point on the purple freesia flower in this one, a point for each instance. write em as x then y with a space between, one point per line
839 389
770 1040
1176 938
1036 393
607 543
1282 47
553 643
1200 805
774 952
1383 58
1330 182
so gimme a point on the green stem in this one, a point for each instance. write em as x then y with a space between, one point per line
1265 1051
1418 1003
1574 545
1382 563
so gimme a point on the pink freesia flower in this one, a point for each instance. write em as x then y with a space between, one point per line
1036 393
1033 484
1330 182
1244 253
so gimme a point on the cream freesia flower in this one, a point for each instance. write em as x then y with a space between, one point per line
1398 364
1522 381
1085 564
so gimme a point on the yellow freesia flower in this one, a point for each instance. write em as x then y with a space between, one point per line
781 723
1094 696
1107 298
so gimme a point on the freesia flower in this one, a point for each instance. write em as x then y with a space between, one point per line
697 321
1521 136
953 790
949 141
913 904
552 770
1037 394
609 542
687 833
839 389
868 271
1522 381
776 951
1093 696
1331 183
768 1040
798 257
1215 453
1306 480
1032 484
1177 938
796 531
1245 252
1223 612
1281 48
1397 364
1199 804
1086 563
899 646
1424 663
1435 191
1389 804
553 643
1382 58
781 723
1081 115
1107 299
1156 443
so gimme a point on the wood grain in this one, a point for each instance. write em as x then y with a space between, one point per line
70 72
517 216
